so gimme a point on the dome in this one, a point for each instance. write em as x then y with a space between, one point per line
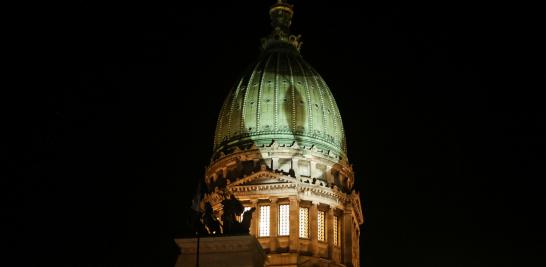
279 148
280 98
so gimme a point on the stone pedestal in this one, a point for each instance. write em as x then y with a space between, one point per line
224 251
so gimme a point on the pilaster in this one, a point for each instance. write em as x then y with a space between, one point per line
275 163
347 237
273 215
254 221
313 227
294 225
330 232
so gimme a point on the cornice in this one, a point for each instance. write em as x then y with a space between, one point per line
282 184
256 151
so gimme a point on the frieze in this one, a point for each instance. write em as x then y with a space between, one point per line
285 182
314 135
256 152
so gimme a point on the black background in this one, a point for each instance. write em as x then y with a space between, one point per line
117 104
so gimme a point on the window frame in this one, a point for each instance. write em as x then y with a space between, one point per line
336 231
279 219
260 222
324 226
307 226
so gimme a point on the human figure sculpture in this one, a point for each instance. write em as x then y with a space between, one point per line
209 220
232 208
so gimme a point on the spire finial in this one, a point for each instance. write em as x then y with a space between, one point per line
281 18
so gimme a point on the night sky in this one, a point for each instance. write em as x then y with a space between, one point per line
114 124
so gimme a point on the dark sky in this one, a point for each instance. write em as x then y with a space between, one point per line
444 120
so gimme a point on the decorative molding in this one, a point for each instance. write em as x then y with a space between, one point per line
277 184
262 174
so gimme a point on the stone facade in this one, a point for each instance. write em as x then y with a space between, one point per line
264 181
224 251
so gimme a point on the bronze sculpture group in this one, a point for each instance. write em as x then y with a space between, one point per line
230 225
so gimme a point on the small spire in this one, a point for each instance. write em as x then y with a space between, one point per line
281 17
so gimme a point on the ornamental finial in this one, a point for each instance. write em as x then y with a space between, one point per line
281 17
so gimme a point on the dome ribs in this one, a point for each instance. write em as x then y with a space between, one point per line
285 99
319 89
244 122
335 112
308 95
293 94
221 118
260 91
233 102
276 95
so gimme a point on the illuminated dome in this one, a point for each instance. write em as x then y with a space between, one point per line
282 98
279 148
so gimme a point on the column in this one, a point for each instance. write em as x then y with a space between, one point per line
328 175
330 232
254 222
274 213
294 225
296 166
347 237
275 163
356 246
313 227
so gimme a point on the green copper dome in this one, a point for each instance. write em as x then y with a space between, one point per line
282 98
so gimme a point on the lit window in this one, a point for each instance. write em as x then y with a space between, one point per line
240 218
264 221
304 222
284 220
321 226
336 231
